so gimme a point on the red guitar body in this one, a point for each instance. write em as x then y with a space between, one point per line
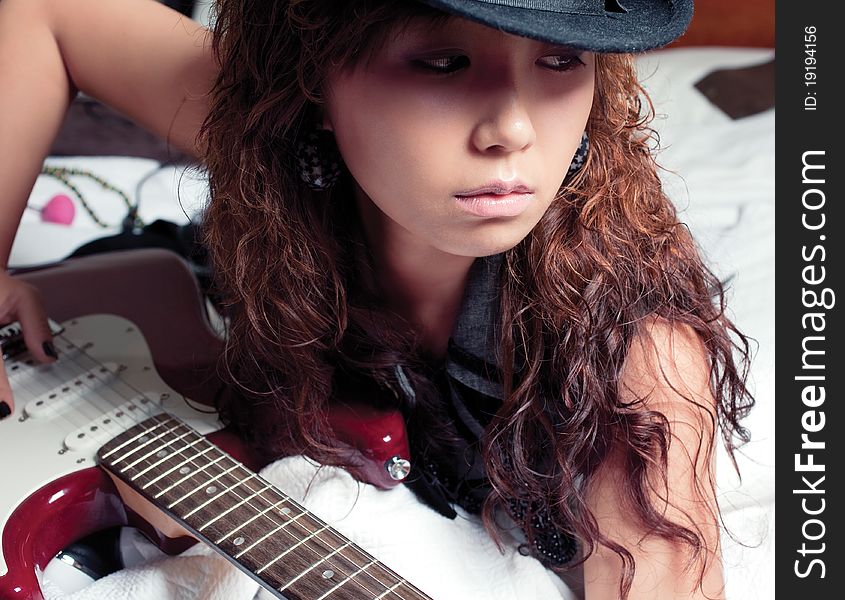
156 291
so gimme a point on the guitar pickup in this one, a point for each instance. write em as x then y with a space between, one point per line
11 338
113 423
64 396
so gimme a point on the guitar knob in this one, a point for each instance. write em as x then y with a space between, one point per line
398 468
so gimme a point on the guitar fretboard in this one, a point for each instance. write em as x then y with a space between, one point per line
253 524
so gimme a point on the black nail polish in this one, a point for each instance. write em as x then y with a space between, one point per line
50 350
5 411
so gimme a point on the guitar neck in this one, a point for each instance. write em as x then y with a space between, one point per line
261 530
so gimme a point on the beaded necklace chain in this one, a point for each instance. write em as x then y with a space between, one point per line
64 174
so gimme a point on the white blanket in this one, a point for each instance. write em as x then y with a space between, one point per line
444 558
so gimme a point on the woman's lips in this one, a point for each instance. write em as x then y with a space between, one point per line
495 205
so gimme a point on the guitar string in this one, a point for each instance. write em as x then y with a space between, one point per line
55 372
269 517
93 404
81 410
23 372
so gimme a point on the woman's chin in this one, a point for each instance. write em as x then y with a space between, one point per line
487 246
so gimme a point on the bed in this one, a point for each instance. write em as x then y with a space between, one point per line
719 171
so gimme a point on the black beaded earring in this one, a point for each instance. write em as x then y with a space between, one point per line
318 159
580 155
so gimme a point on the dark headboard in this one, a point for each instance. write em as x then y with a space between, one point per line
731 23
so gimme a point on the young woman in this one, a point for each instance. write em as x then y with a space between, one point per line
449 207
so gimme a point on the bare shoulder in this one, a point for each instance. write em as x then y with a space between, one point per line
139 56
666 372
667 365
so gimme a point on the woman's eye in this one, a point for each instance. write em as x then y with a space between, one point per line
562 62
444 65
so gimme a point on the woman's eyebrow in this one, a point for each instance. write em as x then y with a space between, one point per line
425 25
413 30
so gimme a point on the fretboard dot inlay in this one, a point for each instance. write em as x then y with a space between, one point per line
161 453
211 489
184 470
285 511
143 439
238 541
328 574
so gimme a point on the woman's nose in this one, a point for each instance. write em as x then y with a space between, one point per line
506 124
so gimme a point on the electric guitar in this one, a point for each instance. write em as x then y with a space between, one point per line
105 389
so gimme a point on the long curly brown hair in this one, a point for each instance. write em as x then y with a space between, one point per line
306 315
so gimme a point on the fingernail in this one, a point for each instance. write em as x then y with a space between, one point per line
50 350
5 411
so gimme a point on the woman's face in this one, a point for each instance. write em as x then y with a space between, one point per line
459 137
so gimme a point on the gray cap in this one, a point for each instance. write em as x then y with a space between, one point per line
597 25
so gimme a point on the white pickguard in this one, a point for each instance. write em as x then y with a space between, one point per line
103 383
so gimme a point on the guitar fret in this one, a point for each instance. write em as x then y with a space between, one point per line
177 453
156 464
375 583
131 440
196 489
357 580
267 535
146 456
244 524
179 465
391 589
292 548
183 469
348 578
189 474
227 490
238 505
313 565
246 509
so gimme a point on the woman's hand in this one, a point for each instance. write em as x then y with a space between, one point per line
20 301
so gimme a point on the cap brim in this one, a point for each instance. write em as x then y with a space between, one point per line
646 25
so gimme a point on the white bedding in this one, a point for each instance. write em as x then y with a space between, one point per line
446 559
720 173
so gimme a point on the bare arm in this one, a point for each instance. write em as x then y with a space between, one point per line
664 358
138 56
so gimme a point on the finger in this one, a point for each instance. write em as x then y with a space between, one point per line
7 403
36 329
